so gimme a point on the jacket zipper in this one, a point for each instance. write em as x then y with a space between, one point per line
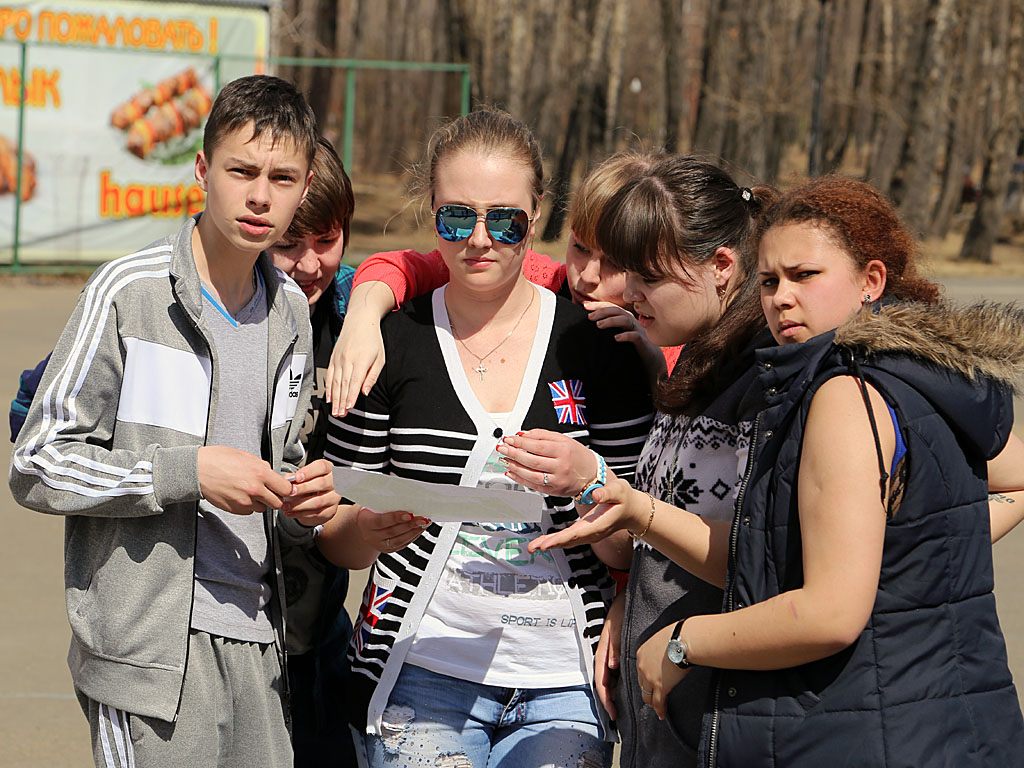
731 586
195 523
623 654
272 539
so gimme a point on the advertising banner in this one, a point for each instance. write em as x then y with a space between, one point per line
116 94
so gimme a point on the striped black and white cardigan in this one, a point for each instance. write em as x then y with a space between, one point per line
422 421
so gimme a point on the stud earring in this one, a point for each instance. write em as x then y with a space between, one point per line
867 298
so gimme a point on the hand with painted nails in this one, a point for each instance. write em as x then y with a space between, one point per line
548 462
313 500
607 315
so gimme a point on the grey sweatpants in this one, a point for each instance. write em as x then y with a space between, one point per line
231 715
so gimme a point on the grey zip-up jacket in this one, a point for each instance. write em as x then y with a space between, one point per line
111 441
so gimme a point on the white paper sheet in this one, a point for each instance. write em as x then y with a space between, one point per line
440 503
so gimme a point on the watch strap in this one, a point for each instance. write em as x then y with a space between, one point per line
678 629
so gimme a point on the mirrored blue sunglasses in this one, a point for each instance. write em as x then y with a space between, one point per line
505 225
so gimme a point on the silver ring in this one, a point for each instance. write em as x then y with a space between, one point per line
645 692
545 474
387 544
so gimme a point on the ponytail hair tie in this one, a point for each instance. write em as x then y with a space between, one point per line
746 194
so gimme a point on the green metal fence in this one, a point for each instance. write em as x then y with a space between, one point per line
350 66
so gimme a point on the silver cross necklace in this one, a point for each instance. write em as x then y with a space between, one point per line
481 369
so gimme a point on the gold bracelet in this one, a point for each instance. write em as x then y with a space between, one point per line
649 521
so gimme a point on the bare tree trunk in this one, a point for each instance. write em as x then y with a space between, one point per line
672 33
984 227
346 24
614 88
694 44
520 53
485 30
546 106
816 151
318 88
286 37
577 117
720 70
964 114
846 73
891 125
748 127
306 27
928 105
868 75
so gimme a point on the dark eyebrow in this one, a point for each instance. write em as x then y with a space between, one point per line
250 166
791 268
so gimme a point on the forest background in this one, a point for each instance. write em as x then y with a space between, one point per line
922 98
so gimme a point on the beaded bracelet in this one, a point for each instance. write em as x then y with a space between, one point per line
649 521
586 496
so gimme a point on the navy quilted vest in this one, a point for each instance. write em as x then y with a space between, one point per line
926 683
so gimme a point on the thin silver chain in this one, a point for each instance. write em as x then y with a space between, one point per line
480 367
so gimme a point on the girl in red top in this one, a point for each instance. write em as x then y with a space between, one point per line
385 281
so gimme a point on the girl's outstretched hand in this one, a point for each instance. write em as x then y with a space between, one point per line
657 675
548 462
356 361
358 355
618 506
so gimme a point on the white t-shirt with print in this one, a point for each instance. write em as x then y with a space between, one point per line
500 615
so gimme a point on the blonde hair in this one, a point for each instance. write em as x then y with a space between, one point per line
489 131
600 185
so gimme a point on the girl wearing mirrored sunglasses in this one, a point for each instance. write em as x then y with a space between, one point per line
386 280
466 645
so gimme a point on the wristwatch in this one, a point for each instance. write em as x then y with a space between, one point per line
586 496
676 650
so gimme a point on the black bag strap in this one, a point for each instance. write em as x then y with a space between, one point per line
883 475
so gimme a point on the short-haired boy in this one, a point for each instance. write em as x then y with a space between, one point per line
163 430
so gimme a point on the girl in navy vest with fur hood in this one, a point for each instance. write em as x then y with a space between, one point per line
859 622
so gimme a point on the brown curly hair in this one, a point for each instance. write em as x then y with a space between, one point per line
862 223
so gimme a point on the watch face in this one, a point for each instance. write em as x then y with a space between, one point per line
675 651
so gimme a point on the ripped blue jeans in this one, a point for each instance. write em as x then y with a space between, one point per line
443 722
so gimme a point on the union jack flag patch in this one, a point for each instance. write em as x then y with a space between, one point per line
370 612
569 401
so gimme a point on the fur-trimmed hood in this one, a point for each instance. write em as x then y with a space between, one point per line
972 357
985 339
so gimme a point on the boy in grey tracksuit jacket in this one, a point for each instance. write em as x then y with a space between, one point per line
121 440
121 463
